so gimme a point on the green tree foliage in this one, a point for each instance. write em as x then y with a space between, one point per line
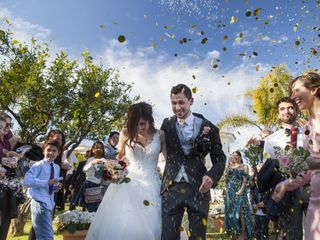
264 97
84 100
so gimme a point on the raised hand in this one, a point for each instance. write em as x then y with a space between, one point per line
279 192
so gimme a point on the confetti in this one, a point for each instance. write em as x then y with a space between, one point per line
121 38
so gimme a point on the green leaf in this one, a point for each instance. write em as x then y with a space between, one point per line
15 42
7 20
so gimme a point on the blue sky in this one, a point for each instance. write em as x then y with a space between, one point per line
152 56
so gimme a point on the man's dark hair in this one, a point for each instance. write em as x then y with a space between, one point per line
113 133
288 100
181 88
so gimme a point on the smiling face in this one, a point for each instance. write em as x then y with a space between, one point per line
287 113
303 96
181 105
98 150
235 158
51 152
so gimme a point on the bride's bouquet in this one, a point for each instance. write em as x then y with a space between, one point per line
292 161
115 171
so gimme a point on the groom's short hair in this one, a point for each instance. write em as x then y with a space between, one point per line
181 88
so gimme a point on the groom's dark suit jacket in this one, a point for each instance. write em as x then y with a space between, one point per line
194 162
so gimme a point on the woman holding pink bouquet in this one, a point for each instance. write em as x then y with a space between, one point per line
305 90
132 210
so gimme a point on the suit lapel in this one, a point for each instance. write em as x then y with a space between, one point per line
197 126
173 129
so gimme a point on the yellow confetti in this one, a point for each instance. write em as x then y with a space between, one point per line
146 202
188 233
97 94
183 190
238 39
181 229
221 230
170 182
257 68
204 222
195 90
233 19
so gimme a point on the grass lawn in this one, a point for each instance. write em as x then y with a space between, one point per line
210 235
26 231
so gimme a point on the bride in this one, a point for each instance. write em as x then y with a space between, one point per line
133 210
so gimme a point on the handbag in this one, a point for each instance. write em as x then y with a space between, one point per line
93 194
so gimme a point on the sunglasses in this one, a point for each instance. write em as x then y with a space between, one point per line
9 125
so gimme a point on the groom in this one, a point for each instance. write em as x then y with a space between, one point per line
186 181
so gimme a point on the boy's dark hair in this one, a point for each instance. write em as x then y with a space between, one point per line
287 100
52 142
181 88
113 133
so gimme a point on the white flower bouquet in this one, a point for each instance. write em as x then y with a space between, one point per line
72 221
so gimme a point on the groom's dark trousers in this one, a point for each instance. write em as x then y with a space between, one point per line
180 196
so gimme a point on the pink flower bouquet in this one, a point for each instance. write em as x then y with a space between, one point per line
115 171
292 161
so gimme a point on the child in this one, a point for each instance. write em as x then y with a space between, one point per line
94 172
42 180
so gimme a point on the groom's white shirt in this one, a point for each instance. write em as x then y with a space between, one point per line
187 132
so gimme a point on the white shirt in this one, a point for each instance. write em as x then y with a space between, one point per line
279 139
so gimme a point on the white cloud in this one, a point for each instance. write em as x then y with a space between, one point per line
24 30
213 54
154 73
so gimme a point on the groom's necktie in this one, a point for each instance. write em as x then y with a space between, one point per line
182 123
51 176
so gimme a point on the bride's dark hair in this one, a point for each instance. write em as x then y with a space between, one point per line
135 113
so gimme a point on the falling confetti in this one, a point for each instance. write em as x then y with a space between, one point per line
121 38
194 90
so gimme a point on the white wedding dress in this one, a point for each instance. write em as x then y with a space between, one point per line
132 210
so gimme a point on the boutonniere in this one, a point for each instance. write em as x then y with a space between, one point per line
205 130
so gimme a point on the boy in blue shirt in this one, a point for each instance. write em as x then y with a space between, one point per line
42 179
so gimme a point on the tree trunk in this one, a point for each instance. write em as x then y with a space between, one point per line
17 224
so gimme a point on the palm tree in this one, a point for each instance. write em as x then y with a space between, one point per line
264 97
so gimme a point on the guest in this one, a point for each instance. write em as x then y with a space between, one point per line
238 222
288 213
41 189
305 91
59 196
94 174
77 185
10 195
259 205
111 147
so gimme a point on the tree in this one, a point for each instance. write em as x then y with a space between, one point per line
264 97
269 90
83 100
